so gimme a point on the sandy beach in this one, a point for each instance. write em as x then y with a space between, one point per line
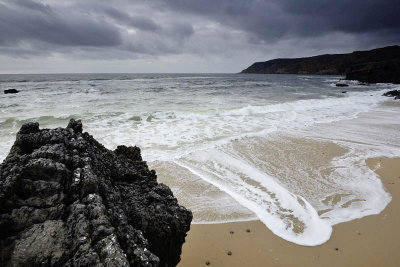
369 241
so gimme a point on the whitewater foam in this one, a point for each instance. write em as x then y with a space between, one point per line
237 133
286 214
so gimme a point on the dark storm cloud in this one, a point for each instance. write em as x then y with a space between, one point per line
348 16
38 27
28 20
119 28
273 19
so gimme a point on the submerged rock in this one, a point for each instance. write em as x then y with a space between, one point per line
66 200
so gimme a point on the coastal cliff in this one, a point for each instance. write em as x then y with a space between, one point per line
66 200
377 65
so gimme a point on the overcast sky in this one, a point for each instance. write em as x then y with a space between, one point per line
47 36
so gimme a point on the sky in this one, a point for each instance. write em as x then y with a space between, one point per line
208 36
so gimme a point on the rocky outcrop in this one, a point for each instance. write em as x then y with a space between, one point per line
376 72
11 91
393 93
66 200
377 65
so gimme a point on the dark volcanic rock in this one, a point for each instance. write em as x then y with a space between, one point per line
393 93
66 200
11 91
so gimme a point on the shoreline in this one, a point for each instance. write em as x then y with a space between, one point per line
368 241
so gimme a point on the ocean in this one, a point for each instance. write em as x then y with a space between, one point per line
288 150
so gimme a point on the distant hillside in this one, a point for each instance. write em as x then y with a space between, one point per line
377 65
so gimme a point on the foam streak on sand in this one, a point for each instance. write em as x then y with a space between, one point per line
340 189
286 214
370 241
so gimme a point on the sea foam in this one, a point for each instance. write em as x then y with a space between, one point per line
236 133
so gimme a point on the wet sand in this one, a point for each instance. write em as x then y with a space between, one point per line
369 241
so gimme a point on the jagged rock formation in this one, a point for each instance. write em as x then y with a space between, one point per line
66 200
377 65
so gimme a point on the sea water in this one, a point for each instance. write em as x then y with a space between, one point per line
288 150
